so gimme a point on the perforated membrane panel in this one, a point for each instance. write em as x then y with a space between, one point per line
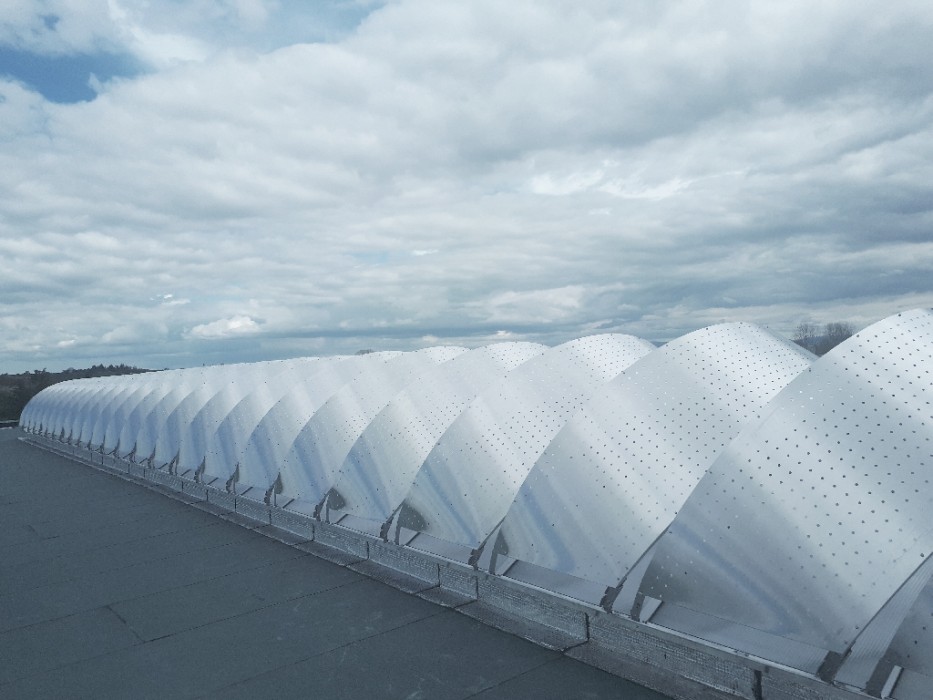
153 412
618 472
226 442
87 417
46 406
111 411
139 418
47 410
119 431
68 413
167 424
470 477
813 517
274 436
912 646
310 466
236 386
382 464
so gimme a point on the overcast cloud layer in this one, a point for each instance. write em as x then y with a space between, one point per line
266 180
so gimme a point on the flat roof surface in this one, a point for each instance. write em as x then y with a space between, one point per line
109 589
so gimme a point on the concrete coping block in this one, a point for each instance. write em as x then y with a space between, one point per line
160 477
618 632
415 564
295 523
459 580
680 656
719 634
222 499
118 464
195 490
654 677
786 684
539 607
254 509
344 540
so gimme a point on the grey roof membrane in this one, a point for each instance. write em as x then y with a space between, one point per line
109 590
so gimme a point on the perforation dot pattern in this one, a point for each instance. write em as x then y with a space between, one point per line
381 466
469 478
273 437
617 474
310 466
811 519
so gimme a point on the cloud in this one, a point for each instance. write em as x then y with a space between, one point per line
56 27
224 327
421 169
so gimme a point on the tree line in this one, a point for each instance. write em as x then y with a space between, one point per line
819 340
17 389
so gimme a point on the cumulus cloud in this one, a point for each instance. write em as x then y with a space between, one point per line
224 327
58 26
435 170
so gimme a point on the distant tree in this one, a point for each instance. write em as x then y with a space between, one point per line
805 335
821 341
833 334
17 389
364 352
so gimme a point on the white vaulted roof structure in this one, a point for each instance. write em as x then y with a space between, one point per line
726 496
226 443
815 515
615 476
272 439
467 481
180 425
310 466
384 461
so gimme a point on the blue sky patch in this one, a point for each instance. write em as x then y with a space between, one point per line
65 79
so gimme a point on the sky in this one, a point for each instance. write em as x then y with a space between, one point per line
219 181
